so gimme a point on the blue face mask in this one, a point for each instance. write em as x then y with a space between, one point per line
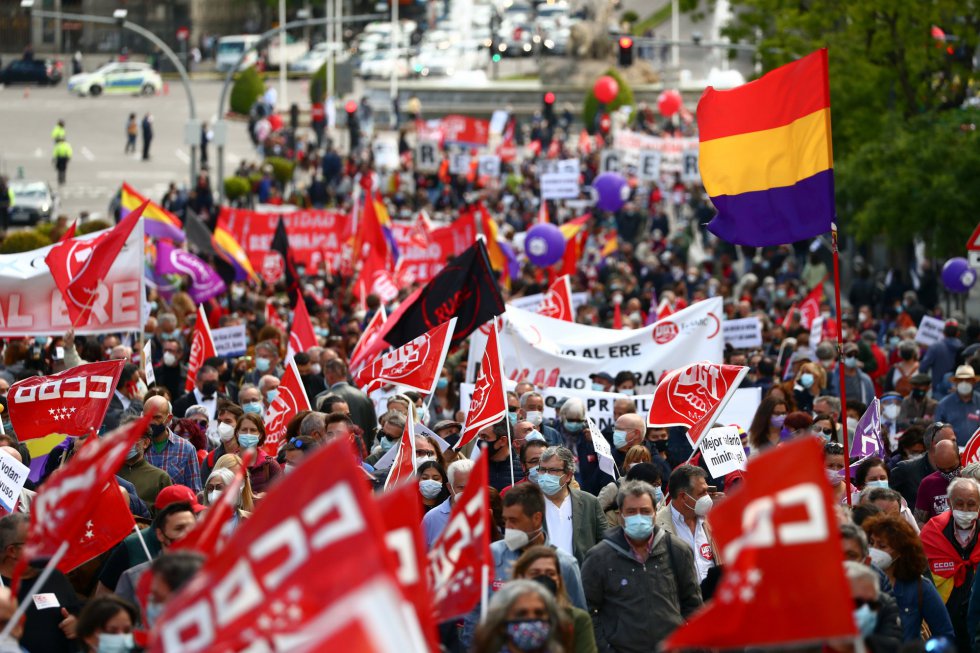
271 395
882 484
262 364
442 383
248 440
574 427
627 391
598 387
323 332
254 407
866 619
806 380
153 612
619 438
533 476
550 485
387 444
658 493
115 643
512 417
638 527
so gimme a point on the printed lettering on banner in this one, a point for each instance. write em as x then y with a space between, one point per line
671 149
385 151
489 165
743 333
427 156
533 302
459 163
722 450
313 234
559 185
13 474
930 331
230 341
649 168
690 171
816 330
611 161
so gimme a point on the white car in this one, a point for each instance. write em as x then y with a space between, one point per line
380 64
127 77
310 62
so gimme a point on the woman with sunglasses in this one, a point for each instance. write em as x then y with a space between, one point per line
825 428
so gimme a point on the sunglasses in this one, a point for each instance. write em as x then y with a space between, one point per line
874 604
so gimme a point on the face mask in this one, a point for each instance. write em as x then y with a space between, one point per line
547 582
598 387
549 484
115 643
873 484
866 620
916 456
949 476
153 612
516 539
627 391
619 438
262 364
156 430
247 440
777 421
209 388
225 431
323 332
254 407
703 506
528 635
658 493
881 559
852 424
806 380
532 475
850 362
315 369
918 394
387 444
573 427
638 527
271 395
964 519
891 411
213 497
512 418
169 359
906 355
660 445
535 417
442 383
894 340
134 452
430 488
964 388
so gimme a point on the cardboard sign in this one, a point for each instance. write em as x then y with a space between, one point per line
459 164
489 165
427 156
230 341
385 151
649 168
744 333
559 185
13 474
611 161
722 451
690 171
148 363
930 331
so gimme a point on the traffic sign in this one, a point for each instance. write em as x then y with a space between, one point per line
183 33
973 248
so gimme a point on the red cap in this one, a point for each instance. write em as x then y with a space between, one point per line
177 494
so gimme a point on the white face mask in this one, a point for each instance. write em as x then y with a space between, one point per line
169 358
226 432
535 417
964 519
881 559
891 411
703 506
964 388
516 539
213 497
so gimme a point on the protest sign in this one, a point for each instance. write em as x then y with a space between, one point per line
533 302
690 171
464 130
559 185
489 165
634 145
148 363
649 166
498 120
930 331
722 451
427 156
611 161
230 341
744 333
384 148
459 163
13 474
313 234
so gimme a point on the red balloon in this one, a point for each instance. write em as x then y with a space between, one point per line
275 121
605 89
669 103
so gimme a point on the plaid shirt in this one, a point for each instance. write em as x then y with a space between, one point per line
179 459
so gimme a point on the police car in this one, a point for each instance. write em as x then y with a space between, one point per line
128 77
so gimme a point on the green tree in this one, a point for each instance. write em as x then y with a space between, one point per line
897 94
248 88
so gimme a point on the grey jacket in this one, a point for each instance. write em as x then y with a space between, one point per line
634 605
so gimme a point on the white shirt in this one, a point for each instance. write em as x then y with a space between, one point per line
704 558
123 399
211 404
559 521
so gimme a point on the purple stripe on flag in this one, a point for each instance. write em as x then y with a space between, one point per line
867 434
776 216
513 266
157 229
205 282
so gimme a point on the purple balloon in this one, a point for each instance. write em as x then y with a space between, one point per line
958 276
544 244
611 191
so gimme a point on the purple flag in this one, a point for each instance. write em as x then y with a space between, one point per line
205 282
867 434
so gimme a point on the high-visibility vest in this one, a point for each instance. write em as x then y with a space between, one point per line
62 150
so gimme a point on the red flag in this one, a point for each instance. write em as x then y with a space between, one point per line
370 334
557 302
489 402
209 531
78 266
777 533
810 308
290 400
971 453
692 396
109 521
403 466
788 318
617 314
664 309
272 316
415 365
304 566
66 502
202 348
73 402
401 512
375 278
302 337
421 233
69 233
461 556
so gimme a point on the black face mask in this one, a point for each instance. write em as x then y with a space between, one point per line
225 376
918 394
209 388
660 445
548 582
156 430
907 355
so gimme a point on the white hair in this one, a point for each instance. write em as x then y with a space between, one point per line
857 571
460 466
573 408
970 483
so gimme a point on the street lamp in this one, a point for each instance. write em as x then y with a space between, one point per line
120 14
26 4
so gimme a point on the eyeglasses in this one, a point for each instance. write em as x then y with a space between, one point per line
202 424
551 472
826 431
297 443
874 604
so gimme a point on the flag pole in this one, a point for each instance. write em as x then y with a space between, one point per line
510 446
38 584
146 549
840 360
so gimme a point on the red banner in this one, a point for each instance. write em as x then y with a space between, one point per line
444 242
290 400
313 234
691 396
71 402
557 302
301 336
464 130
415 365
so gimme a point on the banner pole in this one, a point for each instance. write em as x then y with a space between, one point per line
146 549
840 362
510 445
484 591
38 584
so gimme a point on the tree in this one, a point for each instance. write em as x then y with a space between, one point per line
248 88
897 89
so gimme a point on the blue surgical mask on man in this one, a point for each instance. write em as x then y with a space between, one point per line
574 427
619 438
550 485
262 364
638 527
254 407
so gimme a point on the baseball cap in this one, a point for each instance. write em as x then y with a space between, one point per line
603 376
177 494
446 423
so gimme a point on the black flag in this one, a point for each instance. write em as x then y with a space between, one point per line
280 244
466 289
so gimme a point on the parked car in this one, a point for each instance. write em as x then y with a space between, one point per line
379 64
310 62
291 53
36 71
230 49
118 77
34 201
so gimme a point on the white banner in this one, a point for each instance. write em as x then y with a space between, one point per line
722 451
532 302
13 474
230 341
32 305
930 331
744 333
559 185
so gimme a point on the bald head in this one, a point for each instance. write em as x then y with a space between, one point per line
13 453
159 406
947 456
634 427
622 406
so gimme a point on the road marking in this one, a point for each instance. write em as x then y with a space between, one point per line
87 153
183 156
38 152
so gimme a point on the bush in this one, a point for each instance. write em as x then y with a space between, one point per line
237 187
623 99
318 85
44 228
282 169
629 17
248 88
23 241
90 226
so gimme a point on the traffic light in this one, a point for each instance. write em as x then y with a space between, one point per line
353 125
548 107
625 51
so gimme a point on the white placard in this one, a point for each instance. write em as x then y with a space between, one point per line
649 168
690 172
744 333
722 451
930 331
816 331
13 474
489 165
427 156
610 161
459 163
532 302
230 341
384 148
559 185
606 461
148 363
498 120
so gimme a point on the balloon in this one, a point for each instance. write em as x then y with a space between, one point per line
669 102
275 121
544 244
611 191
958 276
605 89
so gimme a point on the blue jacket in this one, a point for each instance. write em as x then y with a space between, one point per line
939 359
913 607
963 415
